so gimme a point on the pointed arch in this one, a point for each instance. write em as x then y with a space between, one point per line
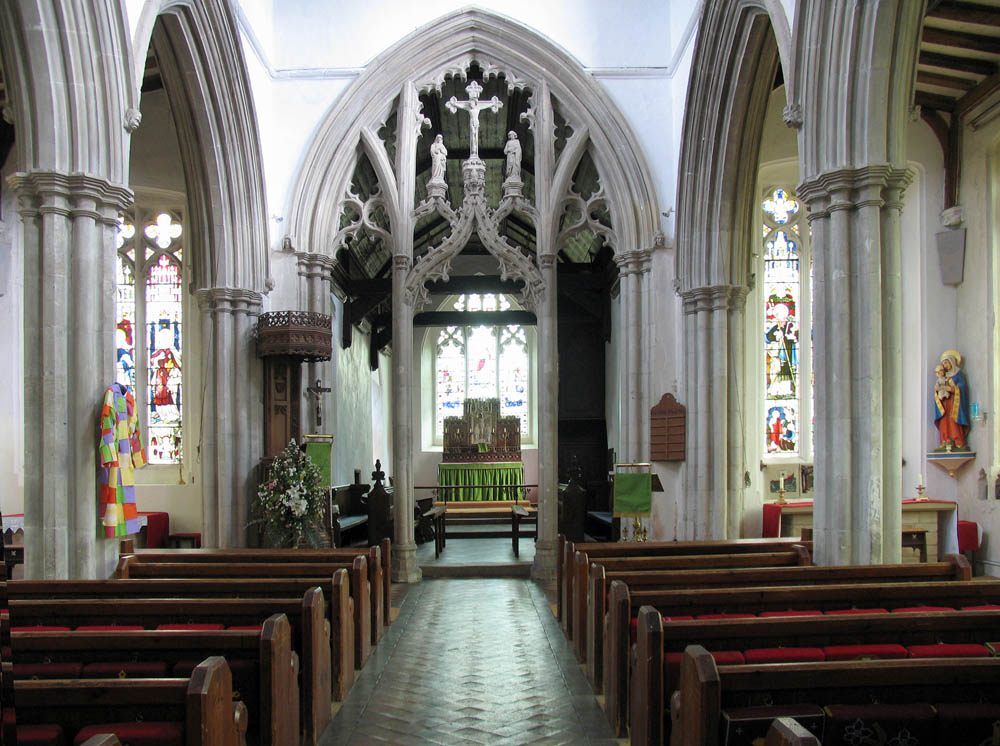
440 48
70 83
199 52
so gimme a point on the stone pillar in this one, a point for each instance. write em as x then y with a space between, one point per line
233 408
404 550
69 253
712 505
854 215
315 272
544 568
633 267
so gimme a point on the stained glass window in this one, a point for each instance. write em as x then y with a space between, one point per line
782 304
482 362
149 325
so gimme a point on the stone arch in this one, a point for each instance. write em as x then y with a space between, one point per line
439 47
70 84
199 50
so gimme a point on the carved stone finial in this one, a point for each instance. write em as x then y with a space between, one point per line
133 118
915 112
792 116
378 476
8 114
288 243
952 217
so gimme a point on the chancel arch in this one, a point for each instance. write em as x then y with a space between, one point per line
481 82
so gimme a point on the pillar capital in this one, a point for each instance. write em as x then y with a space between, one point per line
73 194
636 261
714 298
878 184
311 265
229 300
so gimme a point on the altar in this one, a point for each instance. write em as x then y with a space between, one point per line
481 459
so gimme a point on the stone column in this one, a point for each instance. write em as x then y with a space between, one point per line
69 253
633 267
854 216
544 567
404 550
315 271
712 504
233 409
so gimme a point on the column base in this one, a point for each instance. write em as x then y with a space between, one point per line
404 564
543 570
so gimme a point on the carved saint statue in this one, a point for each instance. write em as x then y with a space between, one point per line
951 402
512 169
439 157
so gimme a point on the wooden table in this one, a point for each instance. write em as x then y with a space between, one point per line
519 513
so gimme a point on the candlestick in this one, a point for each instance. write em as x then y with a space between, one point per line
920 481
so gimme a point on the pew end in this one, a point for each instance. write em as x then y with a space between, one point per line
696 721
616 659
803 554
786 731
646 689
240 720
341 635
596 609
961 565
315 712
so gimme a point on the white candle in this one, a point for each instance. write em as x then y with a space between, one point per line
782 480
920 481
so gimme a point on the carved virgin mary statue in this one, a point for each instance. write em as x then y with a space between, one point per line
951 403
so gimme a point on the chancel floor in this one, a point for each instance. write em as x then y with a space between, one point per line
472 662
489 556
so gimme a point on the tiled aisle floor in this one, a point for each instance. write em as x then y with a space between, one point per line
472 661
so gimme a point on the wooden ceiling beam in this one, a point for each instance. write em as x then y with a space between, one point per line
475 318
961 40
962 12
960 64
977 95
945 81
934 101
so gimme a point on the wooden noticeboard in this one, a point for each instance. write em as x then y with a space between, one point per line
667 430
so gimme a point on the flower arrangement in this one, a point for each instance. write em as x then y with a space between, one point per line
290 501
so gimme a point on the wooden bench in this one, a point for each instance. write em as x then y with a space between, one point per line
339 612
588 601
654 678
624 605
348 513
310 638
379 560
436 516
263 666
564 559
520 514
905 690
366 587
602 572
195 711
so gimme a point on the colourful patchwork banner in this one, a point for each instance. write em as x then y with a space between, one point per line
121 453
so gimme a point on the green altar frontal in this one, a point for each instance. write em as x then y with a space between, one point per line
483 480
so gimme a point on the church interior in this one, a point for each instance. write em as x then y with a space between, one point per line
697 277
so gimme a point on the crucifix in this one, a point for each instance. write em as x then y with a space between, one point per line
473 106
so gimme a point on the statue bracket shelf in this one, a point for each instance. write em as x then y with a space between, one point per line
951 461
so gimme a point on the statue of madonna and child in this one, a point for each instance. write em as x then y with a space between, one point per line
951 403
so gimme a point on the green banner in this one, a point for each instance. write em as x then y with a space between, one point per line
633 495
320 453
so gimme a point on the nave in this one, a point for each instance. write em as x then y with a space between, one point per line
471 662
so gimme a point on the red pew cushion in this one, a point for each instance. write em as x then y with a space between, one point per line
789 612
47 670
922 608
860 652
985 607
678 618
857 611
40 628
40 735
254 627
726 616
191 626
783 655
125 670
912 724
110 628
137 734
946 650
672 666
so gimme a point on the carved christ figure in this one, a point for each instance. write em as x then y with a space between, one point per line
512 168
473 106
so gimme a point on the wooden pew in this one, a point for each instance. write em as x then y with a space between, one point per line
604 571
306 615
652 684
624 605
788 732
595 550
365 617
585 607
201 707
383 550
265 662
339 612
707 689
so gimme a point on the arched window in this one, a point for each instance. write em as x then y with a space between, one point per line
149 323
482 362
787 327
